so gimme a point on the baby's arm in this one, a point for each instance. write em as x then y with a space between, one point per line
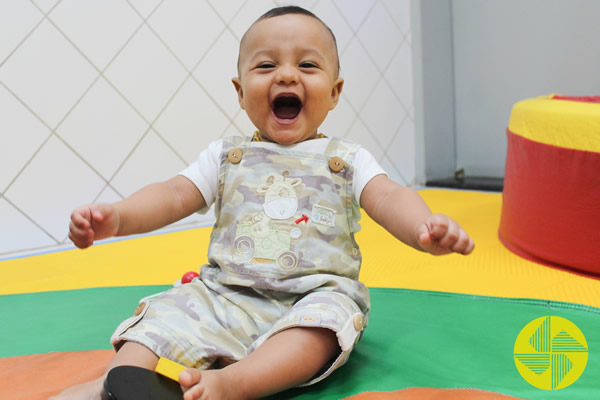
405 215
152 207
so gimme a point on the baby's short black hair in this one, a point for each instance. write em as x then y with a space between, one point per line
284 10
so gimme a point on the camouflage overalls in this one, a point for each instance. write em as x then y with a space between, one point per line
282 254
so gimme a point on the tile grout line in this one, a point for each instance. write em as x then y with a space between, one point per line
39 147
27 36
31 220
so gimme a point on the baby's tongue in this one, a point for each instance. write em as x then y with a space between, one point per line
288 112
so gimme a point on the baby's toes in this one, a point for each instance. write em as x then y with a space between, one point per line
189 378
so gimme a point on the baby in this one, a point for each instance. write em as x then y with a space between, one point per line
279 304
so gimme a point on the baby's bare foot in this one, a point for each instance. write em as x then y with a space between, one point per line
209 385
85 391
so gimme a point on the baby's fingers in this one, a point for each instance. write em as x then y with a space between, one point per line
464 244
438 226
442 235
81 218
80 228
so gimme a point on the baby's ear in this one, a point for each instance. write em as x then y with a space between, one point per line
336 91
237 84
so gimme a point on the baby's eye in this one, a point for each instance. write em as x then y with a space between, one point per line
308 64
265 65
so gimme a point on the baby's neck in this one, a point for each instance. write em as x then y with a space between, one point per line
257 137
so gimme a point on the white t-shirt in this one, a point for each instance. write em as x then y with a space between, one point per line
204 172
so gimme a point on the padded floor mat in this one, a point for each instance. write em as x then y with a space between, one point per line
414 338
56 304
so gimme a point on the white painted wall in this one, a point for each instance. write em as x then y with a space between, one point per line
497 52
509 50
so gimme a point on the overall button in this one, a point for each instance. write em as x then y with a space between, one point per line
139 309
358 322
234 156
336 164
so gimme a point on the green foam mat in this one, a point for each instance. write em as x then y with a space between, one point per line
414 338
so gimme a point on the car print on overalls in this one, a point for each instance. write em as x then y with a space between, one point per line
266 236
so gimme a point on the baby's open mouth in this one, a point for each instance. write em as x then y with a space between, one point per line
287 107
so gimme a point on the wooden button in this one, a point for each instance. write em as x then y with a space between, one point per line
139 309
336 164
234 156
358 322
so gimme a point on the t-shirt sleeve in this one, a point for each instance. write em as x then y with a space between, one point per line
204 172
366 168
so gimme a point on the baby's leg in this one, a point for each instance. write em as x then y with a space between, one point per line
129 354
285 360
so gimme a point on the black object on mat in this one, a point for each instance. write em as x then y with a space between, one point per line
135 383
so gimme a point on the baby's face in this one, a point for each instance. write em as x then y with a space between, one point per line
288 77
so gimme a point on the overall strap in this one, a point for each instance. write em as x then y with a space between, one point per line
236 141
342 148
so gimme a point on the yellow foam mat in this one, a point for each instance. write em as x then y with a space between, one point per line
491 270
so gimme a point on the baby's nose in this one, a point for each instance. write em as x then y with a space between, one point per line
287 74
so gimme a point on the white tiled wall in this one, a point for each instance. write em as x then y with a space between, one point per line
98 98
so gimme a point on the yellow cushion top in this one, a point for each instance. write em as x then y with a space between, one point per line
562 123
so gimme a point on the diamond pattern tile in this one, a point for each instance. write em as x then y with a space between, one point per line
13 30
399 11
227 9
217 68
145 8
22 135
151 161
45 5
340 120
377 28
108 195
383 114
360 133
100 29
58 69
180 24
328 12
146 73
187 129
355 11
360 77
401 152
61 179
93 135
243 123
233 130
248 13
399 68
101 99
390 166
18 232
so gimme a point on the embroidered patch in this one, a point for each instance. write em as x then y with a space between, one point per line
311 320
323 216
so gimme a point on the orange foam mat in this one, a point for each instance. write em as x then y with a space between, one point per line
422 393
35 377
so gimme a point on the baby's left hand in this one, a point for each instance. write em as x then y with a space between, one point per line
440 234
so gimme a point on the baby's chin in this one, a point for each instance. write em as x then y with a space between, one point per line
288 140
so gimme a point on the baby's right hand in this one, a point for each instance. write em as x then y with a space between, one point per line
93 222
